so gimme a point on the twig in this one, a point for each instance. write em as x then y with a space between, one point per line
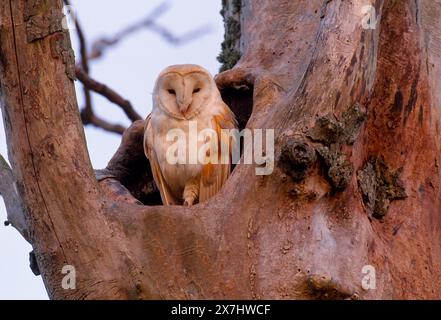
82 41
149 22
108 93
92 119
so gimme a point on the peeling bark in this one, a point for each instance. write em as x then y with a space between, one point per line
42 18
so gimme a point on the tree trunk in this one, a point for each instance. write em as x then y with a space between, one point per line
356 183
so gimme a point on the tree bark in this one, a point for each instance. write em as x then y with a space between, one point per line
357 181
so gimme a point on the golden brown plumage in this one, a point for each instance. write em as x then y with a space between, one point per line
185 95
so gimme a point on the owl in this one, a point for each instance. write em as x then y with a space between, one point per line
187 100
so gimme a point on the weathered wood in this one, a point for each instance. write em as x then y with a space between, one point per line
66 216
305 63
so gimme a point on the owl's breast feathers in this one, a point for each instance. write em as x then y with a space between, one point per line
172 178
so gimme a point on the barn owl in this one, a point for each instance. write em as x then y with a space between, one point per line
185 97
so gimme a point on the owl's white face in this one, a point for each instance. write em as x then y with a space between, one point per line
184 95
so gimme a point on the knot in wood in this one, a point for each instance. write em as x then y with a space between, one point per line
296 157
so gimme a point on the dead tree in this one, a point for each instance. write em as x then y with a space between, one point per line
357 178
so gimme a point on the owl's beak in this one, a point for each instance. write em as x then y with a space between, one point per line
183 107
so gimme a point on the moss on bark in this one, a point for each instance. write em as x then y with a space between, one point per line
230 53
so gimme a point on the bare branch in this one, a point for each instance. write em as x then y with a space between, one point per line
173 39
87 114
149 22
108 93
91 118
14 207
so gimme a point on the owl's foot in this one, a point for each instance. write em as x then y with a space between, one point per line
191 192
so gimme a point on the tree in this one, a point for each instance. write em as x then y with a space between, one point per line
353 98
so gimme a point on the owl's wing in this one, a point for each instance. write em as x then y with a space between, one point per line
166 195
214 176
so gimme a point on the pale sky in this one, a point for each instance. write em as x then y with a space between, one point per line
131 69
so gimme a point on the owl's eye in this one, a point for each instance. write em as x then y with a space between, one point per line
196 90
171 91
